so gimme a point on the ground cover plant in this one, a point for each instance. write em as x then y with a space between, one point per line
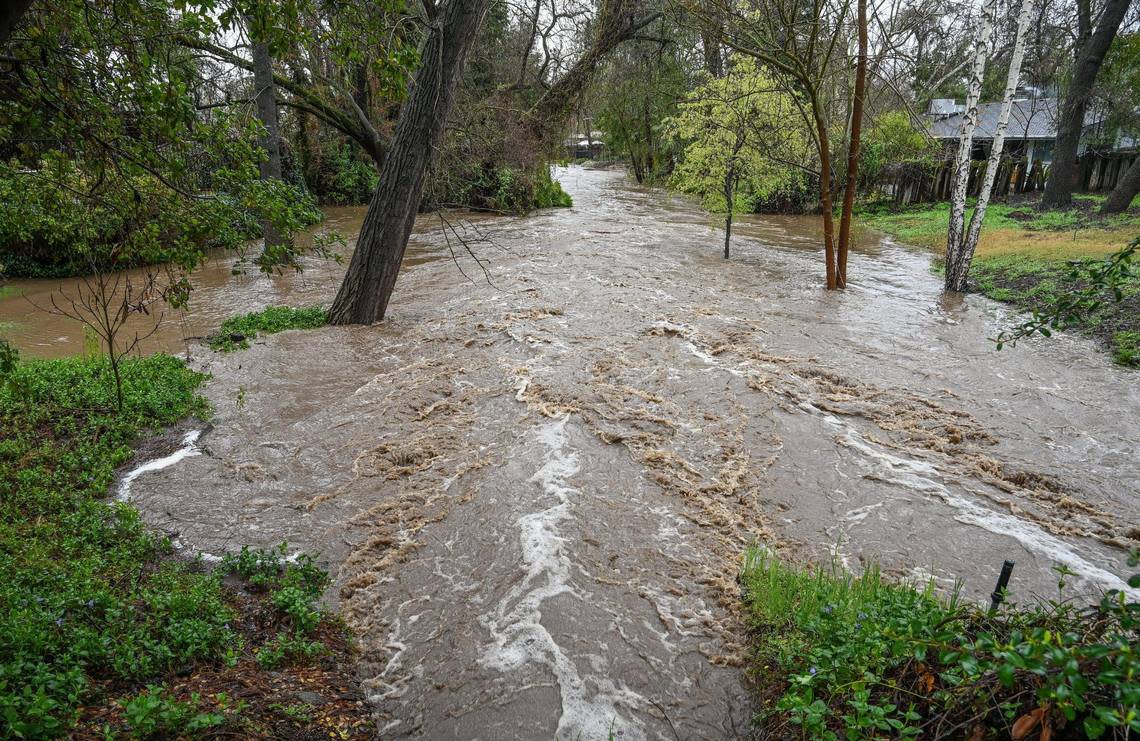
96 616
839 656
236 332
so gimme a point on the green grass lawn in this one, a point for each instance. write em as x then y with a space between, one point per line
1025 257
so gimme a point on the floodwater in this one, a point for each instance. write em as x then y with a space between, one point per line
533 491
30 316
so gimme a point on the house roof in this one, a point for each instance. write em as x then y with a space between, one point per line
1028 119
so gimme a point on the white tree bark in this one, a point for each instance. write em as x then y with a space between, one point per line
966 137
956 273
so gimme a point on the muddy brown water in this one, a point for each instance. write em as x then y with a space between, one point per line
533 495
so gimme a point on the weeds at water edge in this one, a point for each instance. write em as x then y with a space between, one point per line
236 332
102 631
839 656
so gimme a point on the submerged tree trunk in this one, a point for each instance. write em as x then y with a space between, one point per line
853 151
824 144
1126 189
266 94
957 226
958 257
367 287
728 188
1071 120
730 178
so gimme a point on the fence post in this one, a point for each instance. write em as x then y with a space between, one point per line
1002 582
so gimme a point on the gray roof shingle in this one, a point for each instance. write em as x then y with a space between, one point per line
1028 119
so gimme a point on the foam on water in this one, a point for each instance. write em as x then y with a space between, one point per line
921 476
592 704
189 448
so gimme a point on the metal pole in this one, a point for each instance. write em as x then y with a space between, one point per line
1002 583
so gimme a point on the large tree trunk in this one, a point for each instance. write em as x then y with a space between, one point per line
10 13
712 32
1071 121
1126 189
266 95
853 151
957 226
958 260
367 287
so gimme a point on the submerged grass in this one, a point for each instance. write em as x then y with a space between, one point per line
1025 257
91 603
236 332
839 656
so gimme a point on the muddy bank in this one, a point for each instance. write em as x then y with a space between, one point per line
533 495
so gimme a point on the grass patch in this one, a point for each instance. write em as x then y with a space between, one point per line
1035 285
1126 348
1011 229
92 605
839 656
1025 257
236 332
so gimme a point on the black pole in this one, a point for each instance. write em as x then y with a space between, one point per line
1002 583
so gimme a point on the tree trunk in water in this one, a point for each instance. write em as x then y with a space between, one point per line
824 145
957 226
1071 120
853 151
10 15
729 182
958 261
266 93
1126 189
367 287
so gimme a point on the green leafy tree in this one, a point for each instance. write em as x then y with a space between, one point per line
739 122
735 143
639 89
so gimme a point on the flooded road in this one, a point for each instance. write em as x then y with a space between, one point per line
533 494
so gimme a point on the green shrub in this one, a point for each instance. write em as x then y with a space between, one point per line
236 332
505 189
49 228
549 193
284 648
293 585
344 179
1126 348
865 658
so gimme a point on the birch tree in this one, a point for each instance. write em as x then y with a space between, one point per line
966 137
959 255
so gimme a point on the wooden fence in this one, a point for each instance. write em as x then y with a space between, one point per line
920 183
